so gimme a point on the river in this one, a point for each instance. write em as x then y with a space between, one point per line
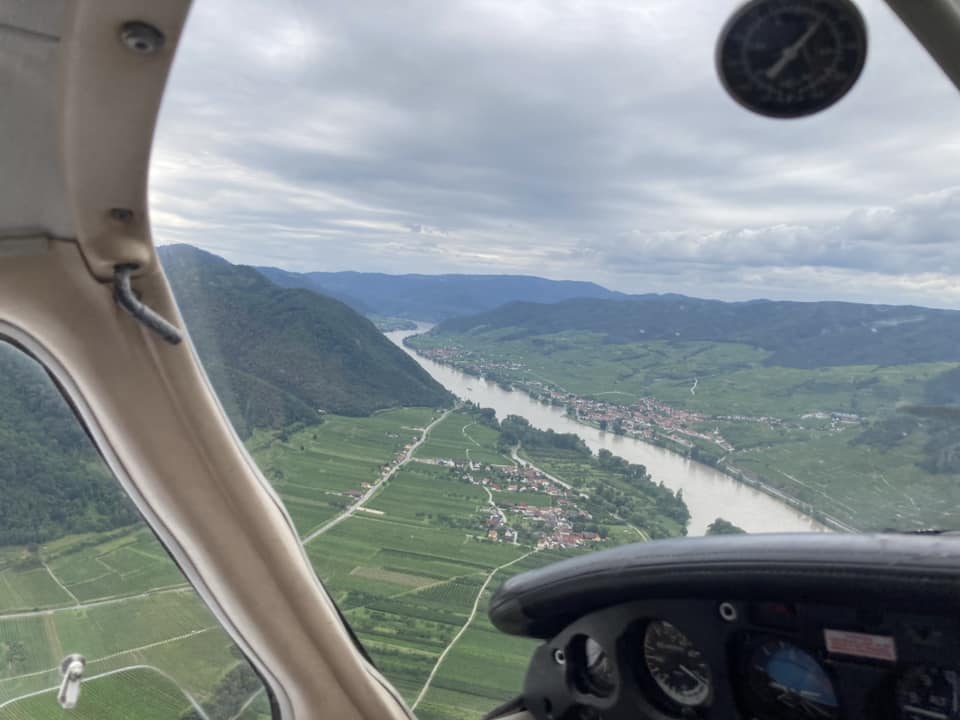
708 493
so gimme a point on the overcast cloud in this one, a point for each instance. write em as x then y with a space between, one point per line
585 139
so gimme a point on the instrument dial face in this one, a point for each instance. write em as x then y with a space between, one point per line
676 665
790 58
929 693
787 683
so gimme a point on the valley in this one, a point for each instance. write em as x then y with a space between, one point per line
829 440
569 433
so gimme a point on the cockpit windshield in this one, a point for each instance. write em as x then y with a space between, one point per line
485 285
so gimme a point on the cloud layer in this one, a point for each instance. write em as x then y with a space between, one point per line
566 138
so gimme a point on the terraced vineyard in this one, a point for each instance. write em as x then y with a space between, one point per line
407 569
461 438
313 468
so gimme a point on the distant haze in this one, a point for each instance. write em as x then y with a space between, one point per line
437 297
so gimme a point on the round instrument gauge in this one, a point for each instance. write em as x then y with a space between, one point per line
676 665
929 693
786 683
790 58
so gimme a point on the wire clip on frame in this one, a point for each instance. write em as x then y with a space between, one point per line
127 299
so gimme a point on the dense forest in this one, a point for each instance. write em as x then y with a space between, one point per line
797 334
52 481
277 356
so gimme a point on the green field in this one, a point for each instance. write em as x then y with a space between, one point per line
141 693
313 468
430 495
485 668
406 585
406 573
732 378
462 439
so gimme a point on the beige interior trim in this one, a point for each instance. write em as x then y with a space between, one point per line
936 24
109 100
148 404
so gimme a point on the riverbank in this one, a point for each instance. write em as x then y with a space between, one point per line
708 492
741 476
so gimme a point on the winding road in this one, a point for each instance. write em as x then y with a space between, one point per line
387 474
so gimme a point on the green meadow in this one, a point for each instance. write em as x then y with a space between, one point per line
462 439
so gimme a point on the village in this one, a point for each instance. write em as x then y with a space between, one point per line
643 419
646 419
555 525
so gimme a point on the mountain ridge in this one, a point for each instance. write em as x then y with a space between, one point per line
433 298
797 334
313 354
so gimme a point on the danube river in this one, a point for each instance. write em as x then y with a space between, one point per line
708 493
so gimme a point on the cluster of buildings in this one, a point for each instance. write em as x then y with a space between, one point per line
549 526
642 419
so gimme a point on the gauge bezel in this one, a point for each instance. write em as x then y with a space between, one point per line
577 664
652 690
786 113
902 712
759 706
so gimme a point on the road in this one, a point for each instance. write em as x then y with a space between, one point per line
526 463
197 708
407 457
63 587
95 603
551 478
498 511
473 614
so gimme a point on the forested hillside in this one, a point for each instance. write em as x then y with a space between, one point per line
434 297
801 335
275 356
52 482
278 356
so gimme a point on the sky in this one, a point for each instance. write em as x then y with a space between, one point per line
570 139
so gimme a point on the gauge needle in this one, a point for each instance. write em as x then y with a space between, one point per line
790 53
692 674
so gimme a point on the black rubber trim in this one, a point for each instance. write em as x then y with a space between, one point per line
508 708
909 571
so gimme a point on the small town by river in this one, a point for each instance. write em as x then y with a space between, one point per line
708 493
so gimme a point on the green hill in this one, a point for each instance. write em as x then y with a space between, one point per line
278 355
275 357
434 297
797 334
52 482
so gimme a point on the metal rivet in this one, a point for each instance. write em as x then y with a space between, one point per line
141 37
121 214
559 656
728 612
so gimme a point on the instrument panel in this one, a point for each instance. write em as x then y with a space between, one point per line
772 659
